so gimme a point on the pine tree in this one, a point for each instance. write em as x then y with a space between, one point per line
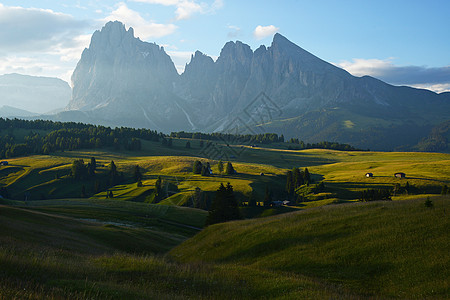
158 189
444 190
297 178
230 170
220 166
137 174
79 170
197 169
224 206
113 174
93 163
289 183
306 176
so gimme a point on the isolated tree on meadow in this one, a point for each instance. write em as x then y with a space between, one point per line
444 190
230 170
137 173
220 166
113 174
93 163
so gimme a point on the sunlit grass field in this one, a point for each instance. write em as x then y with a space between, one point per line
58 245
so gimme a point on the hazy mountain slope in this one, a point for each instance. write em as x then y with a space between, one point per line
10 112
124 81
33 94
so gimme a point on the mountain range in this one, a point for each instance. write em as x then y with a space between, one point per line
123 81
24 95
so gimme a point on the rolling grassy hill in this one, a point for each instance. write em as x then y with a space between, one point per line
381 250
57 245
46 176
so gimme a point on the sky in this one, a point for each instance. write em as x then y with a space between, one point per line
398 41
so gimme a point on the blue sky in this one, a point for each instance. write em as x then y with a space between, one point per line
401 42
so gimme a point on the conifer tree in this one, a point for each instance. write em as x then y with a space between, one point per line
220 166
197 169
230 170
137 173
224 206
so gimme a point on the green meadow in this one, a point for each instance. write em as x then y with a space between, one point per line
56 244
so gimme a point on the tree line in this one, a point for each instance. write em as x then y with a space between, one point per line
68 136
300 145
265 138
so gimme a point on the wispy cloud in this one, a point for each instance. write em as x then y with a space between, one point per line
37 30
40 41
142 28
185 9
262 32
234 32
436 79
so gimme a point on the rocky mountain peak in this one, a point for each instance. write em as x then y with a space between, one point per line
113 34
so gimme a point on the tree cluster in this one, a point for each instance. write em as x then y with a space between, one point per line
300 145
202 169
375 195
265 138
68 136
224 207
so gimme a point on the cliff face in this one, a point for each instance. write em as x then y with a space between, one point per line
126 81
123 81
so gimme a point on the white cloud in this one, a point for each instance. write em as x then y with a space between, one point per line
36 30
185 9
361 67
438 88
435 79
264 31
142 28
40 42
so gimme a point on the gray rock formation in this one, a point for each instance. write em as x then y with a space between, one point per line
123 81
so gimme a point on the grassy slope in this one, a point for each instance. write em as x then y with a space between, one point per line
46 256
343 172
383 249
320 253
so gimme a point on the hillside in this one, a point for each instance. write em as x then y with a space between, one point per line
30 95
373 250
381 250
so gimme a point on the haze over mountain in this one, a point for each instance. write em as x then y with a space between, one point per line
123 81
32 94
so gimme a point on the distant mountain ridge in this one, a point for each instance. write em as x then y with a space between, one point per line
124 81
33 94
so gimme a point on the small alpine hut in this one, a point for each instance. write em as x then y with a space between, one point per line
369 175
400 175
